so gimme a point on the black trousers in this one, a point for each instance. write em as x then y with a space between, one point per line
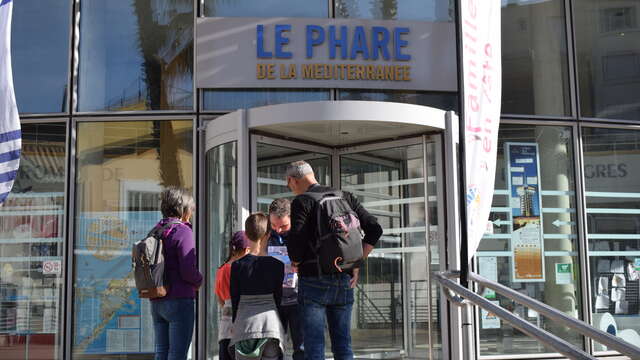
292 324
224 353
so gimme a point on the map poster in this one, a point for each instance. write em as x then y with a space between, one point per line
110 318
526 216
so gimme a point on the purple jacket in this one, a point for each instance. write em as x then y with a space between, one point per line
180 260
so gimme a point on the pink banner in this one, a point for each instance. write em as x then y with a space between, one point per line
482 84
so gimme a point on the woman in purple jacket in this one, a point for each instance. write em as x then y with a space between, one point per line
174 314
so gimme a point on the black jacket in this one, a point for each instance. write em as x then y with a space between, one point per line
303 235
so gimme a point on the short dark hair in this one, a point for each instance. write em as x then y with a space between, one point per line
256 226
280 207
175 202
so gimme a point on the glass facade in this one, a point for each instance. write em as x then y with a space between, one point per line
535 77
611 159
608 55
88 183
121 167
32 223
538 202
40 54
135 55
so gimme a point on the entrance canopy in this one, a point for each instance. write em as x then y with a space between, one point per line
329 123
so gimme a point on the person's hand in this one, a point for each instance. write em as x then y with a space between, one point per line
354 278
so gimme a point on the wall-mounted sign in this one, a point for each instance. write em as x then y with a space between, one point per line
325 53
526 216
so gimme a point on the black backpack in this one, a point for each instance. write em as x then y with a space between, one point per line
339 236
147 261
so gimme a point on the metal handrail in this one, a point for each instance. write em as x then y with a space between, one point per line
467 296
552 313
543 336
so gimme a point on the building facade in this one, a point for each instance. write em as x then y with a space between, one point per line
112 111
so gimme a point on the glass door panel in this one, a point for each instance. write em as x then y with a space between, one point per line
272 158
390 183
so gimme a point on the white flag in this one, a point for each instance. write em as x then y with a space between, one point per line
482 84
10 135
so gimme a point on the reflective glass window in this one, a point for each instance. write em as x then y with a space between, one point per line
611 166
426 10
267 8
31 248
608 54
535 75
413 10
40 54
135 55
531 245
233 99
121 169
442 101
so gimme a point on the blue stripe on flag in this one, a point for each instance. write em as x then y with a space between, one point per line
11 135
11 155
3 196
2 3
8 176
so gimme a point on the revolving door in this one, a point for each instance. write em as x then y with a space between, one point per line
395 170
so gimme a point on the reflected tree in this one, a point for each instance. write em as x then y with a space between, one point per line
384 9
165 41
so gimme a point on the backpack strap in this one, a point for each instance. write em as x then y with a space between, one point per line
157 232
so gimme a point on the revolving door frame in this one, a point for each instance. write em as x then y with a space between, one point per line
244 127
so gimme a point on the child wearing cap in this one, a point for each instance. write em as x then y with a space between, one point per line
238 247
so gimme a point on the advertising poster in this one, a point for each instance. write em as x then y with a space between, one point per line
110 318
564 273
488 267
489 320
527 242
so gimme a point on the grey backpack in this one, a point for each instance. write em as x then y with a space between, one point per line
147 261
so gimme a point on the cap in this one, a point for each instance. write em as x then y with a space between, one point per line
239 241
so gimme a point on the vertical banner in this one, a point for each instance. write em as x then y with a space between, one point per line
527 242
480 34
10 135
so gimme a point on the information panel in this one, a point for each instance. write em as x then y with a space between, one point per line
526 216
325 53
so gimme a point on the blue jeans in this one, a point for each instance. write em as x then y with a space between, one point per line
173 323
329 298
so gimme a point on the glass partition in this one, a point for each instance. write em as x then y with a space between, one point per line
135 55
395 308
222 221
611 163
415 10
40 54
267 8
272 161
121 168
608 57
32 226
531 241
535 75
